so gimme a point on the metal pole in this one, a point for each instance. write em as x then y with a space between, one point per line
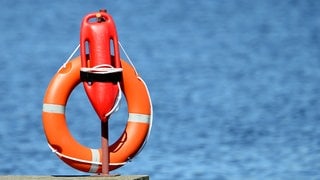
105 147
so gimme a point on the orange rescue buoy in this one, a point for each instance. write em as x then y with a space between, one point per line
73 153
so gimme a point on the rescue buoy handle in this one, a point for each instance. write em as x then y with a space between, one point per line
97 16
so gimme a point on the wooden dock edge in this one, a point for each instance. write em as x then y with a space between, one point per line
70 177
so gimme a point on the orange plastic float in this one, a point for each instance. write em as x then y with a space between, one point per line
61 140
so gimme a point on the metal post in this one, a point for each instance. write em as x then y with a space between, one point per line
105 148
104 133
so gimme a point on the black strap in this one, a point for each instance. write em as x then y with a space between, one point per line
95 77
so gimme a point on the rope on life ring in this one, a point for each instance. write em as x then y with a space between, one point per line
73 153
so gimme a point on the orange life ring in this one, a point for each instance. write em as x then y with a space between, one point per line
72 152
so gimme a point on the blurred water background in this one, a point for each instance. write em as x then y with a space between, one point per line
235 86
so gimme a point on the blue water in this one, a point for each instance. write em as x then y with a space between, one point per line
235 86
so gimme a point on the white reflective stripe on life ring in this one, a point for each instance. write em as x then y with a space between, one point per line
53 108
142 118
95 158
